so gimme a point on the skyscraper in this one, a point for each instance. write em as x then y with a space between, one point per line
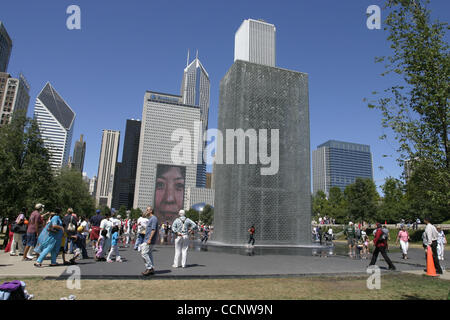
14 96
161 182
79 152
126 173
257 96
5 48
338 164
107 167
195 92
255 42
56 121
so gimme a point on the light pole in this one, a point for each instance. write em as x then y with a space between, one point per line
200 214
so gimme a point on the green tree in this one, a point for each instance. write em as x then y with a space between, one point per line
207 215
135 213
73 192
122 212
362 200
320 204
193 215
416 108
25 173
393 207
337 205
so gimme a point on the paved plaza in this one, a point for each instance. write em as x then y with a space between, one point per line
210 262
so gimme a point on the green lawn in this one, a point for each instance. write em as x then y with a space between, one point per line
393 287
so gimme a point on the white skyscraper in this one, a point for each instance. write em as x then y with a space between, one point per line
56 121
255 42
195 92
162 115
107 167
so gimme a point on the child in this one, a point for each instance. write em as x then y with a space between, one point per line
114 245
79 241
99 248
62 250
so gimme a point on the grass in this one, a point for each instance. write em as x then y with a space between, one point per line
393 287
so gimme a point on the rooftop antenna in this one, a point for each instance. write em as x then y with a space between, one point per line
196 56
187 61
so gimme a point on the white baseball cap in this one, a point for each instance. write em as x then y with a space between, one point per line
181 213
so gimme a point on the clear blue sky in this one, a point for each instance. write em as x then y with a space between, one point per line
127 47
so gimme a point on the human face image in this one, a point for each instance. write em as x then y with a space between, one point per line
169 191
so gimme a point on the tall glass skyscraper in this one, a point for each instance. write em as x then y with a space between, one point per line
5 48
126 172
56 121
79 152
195 92
338 164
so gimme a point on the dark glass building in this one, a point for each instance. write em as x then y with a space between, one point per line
79 153
338 164
5 48
126 170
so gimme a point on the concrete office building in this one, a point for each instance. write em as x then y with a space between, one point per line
107 167
14 96
338 164
255 42
79 153
56 120
198 195
163 114
259 96
5 48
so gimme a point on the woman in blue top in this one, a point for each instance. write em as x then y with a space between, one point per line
51 241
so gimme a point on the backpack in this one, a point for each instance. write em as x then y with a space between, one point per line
385 234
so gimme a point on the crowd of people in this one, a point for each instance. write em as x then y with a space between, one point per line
40 234
53 233
359 244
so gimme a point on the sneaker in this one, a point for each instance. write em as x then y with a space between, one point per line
120 260
392 268
109 261
13 254
174 266
148 272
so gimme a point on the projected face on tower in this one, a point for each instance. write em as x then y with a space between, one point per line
169 191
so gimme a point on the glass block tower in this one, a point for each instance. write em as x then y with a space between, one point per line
258 96
195 92
56 121
338 164
5 48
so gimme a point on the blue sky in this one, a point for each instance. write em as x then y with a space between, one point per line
127 47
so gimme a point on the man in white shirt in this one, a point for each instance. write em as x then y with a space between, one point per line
182 226
142 223
431 237
107 225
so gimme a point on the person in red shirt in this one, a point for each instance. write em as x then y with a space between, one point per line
380 247
252 233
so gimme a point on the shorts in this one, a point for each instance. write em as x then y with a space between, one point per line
351 241
31 239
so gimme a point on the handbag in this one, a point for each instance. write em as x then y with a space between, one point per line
71 227
19 228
